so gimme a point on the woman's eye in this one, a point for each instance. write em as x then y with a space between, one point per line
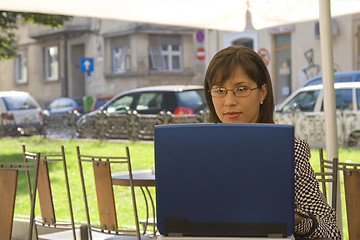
220 90
241 89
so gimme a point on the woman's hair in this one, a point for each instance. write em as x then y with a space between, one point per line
223 65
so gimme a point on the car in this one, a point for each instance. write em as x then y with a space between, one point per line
305 110
178 100
21 114
350 76
100 101
62 113
66 105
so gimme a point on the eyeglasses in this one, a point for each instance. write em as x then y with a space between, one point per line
219 92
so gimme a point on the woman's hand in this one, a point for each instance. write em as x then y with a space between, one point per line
298 218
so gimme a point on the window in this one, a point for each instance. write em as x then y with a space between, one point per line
121 59
20 69
121 105
51 63
283 66
165 52
149 102
247 42
120 54
304 102
19 102
343 99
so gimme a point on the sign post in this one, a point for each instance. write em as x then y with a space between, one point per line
87 66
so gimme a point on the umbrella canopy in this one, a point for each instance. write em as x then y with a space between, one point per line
227 15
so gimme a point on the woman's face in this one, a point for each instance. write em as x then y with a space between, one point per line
239 109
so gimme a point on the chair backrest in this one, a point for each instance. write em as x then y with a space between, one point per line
352 197
8 186
328 174
104 192
48 216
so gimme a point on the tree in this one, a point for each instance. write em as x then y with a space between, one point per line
8 25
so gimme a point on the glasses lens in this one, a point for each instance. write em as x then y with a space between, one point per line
218 92
242 91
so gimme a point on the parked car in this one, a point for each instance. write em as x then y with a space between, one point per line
66 105
180 100
350 76
63 113
20 114
100 101
304 110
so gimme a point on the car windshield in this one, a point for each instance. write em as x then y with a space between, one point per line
19 102
194 99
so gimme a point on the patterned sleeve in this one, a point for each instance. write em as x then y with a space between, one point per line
319 218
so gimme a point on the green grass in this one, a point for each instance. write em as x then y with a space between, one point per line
142 156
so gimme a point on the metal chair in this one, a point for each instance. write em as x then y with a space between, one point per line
328 174
46 196
8 186
352 197
105 195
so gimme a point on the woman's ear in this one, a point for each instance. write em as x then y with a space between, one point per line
264 92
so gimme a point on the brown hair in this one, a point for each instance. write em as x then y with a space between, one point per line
223 65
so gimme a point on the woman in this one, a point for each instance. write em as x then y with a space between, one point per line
238 90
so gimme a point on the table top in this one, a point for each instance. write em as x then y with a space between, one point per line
141 178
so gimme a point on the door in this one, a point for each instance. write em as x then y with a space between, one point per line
77 82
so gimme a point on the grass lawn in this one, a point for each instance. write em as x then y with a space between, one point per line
142 156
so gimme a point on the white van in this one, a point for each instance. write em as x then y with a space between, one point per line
304 110
20 114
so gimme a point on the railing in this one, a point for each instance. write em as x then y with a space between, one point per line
134 126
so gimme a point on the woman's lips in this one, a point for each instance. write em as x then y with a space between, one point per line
232 114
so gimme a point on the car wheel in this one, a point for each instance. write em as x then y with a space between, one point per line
354 139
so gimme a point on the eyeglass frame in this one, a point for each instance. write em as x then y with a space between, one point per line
233 90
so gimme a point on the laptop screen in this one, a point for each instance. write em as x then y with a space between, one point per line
225 179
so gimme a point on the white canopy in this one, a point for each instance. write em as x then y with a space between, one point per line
210 14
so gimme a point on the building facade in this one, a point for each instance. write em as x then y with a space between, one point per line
128 55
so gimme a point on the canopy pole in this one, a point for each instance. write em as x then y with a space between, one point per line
327 62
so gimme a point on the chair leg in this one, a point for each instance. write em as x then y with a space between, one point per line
84 232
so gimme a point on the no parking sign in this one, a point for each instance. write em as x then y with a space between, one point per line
265 55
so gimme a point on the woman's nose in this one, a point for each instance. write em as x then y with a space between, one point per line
230 98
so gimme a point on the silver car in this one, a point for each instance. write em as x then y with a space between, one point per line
20 114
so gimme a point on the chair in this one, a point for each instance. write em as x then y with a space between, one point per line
46 197
352 197
328 174
8 186
105 194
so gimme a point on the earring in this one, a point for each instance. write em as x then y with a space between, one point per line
261 102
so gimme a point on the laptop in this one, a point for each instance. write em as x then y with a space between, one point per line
224 180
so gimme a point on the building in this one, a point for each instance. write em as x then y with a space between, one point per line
128 55
125 55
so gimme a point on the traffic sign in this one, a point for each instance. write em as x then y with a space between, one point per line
86 65
200 35
200 54
265 55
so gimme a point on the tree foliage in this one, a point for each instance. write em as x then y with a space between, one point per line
8 25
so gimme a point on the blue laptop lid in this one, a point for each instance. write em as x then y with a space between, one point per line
224 179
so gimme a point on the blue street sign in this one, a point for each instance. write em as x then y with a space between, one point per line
86 65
